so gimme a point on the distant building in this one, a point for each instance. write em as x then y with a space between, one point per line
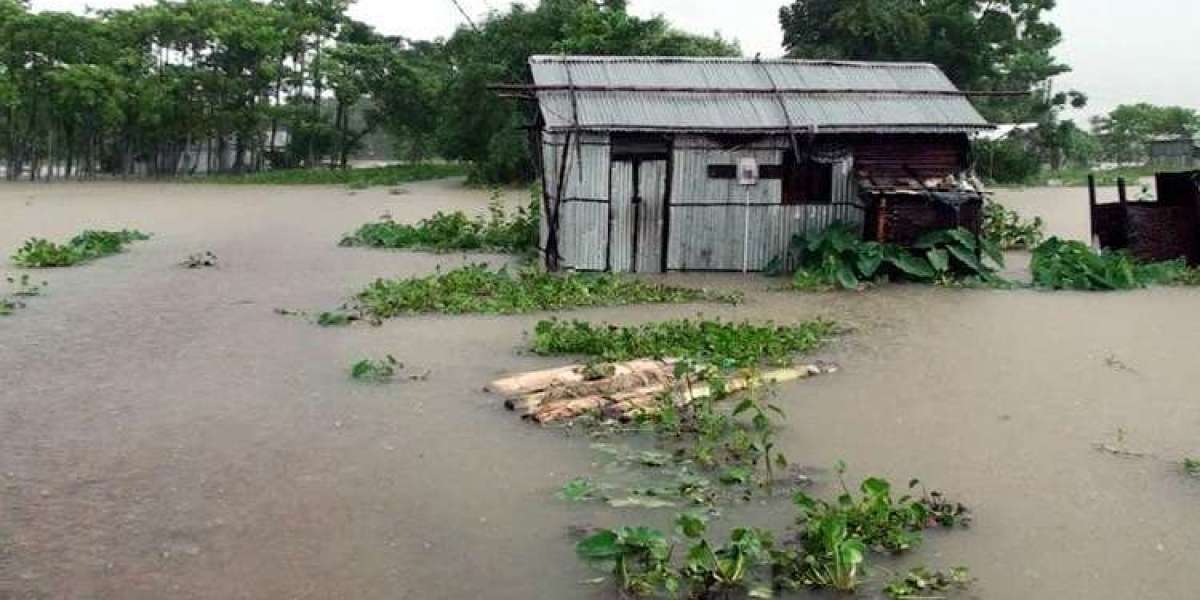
1174 151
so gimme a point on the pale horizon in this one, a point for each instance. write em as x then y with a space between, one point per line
1120 52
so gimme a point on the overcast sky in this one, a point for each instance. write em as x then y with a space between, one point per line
1122 51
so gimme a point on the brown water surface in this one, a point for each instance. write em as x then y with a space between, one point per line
164 434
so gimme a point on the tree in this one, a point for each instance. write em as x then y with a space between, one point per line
980 44
1124 132
481 128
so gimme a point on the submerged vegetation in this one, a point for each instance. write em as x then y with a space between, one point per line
831 551
1071 265
88 245
355 178
500 231
480 289
839 257
20 288
714 342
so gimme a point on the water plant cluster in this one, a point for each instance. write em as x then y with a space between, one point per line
838 257
21 288
499 231
1008 230
830 547
88 245
1071 265
481 289
711 341
360 178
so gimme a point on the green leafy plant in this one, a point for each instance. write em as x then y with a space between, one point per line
579 490
1191 466
1072 265
1008 230
722 343
88 245
445 232
375 370
639 558
921 583
836 535
955 254
479 289
838 256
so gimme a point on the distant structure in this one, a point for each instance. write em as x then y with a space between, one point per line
1174 152
681 164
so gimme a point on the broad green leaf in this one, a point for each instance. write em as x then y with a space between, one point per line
599 546
939 259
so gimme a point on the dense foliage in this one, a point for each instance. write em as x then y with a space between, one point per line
838 257
1071 265
1124 132
515 233
175 87
479 289
1008 230
88 245
710 341
479 127
981 45
831 551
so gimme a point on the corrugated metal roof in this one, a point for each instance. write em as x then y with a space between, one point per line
737 106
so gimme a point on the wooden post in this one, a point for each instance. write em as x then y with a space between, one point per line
1092 190
1122 193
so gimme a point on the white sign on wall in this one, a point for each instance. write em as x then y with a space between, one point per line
748 171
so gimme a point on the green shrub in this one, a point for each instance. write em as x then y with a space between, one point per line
717 342
444 232
479 289
1071 265
1008 230
839 257
88 245
1008 161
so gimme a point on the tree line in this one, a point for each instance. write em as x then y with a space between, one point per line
233 86
188 86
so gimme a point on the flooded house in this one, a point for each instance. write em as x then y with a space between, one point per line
714 164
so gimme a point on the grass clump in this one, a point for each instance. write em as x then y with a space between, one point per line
725 344
1071 265
355 178
1009 230
500 231
480 289
375 370
88 245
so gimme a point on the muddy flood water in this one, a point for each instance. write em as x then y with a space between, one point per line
165 434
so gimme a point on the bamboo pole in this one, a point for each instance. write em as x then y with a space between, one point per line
527 383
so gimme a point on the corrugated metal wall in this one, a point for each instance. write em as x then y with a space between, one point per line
583 216
652 188
708 217
622 216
